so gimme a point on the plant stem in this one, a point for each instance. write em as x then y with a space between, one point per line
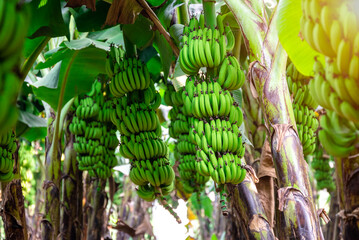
26 67
210 13
159 26
182 13
298 216
53 170
72 192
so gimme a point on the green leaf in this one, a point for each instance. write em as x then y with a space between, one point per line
288 25
154 66
30 126
214 237
165 51
165 13
82 60
237 95
110 35
176 31
155 3
140 33
48 20
31 120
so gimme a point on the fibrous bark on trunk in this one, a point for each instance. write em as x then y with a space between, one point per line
347 175
51 219
13 209
71 209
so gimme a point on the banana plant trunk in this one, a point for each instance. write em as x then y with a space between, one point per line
248 210
13 209
347 177
299 219
71 211
51 219
98 205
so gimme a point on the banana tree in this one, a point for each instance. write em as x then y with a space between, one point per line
268 84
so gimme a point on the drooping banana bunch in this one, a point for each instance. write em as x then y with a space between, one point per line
95 135
338 136
331 28
304 109
7 149
322 171
216 117
215 130
191 180
204 47
134 115
13 29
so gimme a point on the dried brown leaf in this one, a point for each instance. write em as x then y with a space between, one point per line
266 167
123 12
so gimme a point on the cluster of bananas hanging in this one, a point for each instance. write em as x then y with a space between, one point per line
214 128
304 109
191 180
95 135
322 171
13 29
134 115
338 136
206 47
331 28
7 149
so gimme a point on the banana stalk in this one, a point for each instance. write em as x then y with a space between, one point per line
13 205
347 178
52 184
267 73
182 13
51 219
72 192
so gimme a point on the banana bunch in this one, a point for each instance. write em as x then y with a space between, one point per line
322 171
185 146
223 169
299 89
338 136
127 74
157 173
190 180
203 46
230 77
307 125
146 145
304 108
331 27
7 148
9 87
214 129
136 117
95 135
204 99
335 93
14 21
172 97
217 135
